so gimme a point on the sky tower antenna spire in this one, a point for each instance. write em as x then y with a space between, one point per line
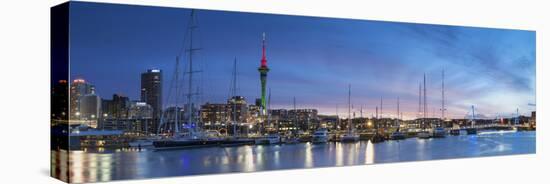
263 69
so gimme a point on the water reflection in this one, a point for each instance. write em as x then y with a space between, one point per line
369 153
309 156
106 165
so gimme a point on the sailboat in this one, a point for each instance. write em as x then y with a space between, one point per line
439 131
188 135
397 135
350 135
320 135
271 137
235 140
424 134
516 122
292 137
472 130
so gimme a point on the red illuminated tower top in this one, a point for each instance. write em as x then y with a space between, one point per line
264 60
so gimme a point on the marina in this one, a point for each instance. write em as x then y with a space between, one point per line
93 165
213 104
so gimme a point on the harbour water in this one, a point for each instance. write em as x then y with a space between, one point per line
107 165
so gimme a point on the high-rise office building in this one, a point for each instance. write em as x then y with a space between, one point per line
90 109
151 92
79 87
116 108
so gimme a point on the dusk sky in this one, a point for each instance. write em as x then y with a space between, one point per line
312 59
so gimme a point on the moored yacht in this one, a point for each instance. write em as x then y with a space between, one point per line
350 135
439 132
397 135
145 142
273 138
320 136
424 134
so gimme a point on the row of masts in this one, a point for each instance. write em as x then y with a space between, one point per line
190 94
422 96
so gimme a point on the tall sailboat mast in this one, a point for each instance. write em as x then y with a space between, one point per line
517 117
176 122
191 50
349 108
381 104
398 110
473 116
233 94
295 113
443 95
425 99
337 117
419 100
268 108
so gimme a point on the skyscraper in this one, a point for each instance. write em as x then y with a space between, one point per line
263 69
90 109
151 92
79 87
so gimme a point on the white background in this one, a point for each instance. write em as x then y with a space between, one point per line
24 90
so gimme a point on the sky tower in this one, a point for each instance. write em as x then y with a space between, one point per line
263 69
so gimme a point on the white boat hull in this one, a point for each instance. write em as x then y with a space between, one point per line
350 138
141 143
268 140
320 139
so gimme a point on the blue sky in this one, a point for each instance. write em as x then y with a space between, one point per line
312 59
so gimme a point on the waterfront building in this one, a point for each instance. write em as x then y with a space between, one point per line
59 102
328 121
83 137
140 110
306 119
151 92
254 113
130 127
238 105
275 119
215 116
169 118
117 107
78 88
142 114
90 110
533 119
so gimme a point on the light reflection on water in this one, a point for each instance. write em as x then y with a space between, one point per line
107 165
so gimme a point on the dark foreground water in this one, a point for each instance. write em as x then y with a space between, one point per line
106 165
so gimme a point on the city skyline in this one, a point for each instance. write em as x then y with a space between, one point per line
493 69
